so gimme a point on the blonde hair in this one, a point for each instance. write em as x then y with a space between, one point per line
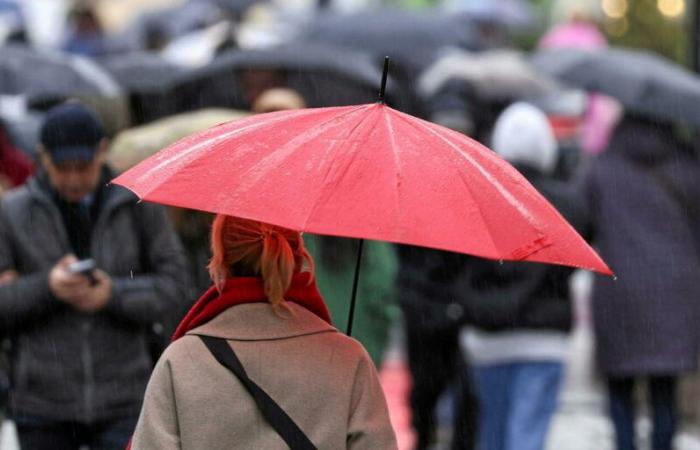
242 247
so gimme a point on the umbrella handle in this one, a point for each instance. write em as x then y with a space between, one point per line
385 74
354 287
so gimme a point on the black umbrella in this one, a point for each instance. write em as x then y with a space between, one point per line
643 82
411 40
323 75
142 72
149 80
50 75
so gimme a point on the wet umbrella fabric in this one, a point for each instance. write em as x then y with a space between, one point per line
644 83
48 74
364 171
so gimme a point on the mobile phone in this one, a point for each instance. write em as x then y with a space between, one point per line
84 267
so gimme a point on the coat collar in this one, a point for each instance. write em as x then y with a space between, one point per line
259 322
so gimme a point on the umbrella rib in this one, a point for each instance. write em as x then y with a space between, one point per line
499 187
461 177
320 195
397 164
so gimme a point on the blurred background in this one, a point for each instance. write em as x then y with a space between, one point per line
158 70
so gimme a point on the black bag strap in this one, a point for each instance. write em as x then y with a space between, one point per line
273 413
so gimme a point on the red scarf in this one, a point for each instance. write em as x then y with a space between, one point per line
240 290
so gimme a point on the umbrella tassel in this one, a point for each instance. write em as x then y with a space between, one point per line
355 282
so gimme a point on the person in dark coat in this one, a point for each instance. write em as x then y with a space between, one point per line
80 359
643 197
432 319
520 313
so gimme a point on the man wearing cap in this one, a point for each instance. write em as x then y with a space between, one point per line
80 360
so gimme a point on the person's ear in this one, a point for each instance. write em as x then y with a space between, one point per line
102 149
44 155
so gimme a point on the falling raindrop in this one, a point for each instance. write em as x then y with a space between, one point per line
500 261
132 273
614 277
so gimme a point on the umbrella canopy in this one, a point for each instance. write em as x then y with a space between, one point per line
142 72
494 75
410 39
643 82
364 171
322 74
132 146
45 74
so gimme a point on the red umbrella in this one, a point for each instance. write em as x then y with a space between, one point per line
367 172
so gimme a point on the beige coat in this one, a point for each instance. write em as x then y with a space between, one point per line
324 380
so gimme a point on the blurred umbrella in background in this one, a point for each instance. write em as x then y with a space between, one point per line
645 83
142 72
132 146
321 74
501 75
412 40
148 80
507 13
46 74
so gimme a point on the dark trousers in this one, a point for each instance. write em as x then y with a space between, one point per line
662 398
436 364
43 434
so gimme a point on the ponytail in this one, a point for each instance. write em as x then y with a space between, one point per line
242 247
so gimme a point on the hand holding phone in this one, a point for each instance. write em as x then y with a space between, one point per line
85 267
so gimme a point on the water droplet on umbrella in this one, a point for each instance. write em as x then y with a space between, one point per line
500 261
614 277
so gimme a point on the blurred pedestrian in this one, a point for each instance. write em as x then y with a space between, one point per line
265 306
643 199
86 36
432 319
432 316
520 312
15 166
79 332
375 309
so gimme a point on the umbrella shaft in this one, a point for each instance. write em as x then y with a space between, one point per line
354 286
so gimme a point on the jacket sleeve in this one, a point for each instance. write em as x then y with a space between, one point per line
157 427
149 297
25 297
369 426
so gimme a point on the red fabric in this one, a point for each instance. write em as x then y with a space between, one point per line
240 290
14 165
365 171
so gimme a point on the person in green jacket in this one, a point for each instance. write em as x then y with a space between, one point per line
375 308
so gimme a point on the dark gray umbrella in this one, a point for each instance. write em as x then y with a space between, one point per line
142 72
39 74
408 38
323 75
643 82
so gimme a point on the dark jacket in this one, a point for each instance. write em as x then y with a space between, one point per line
499 296
646 320
70 365
424 286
